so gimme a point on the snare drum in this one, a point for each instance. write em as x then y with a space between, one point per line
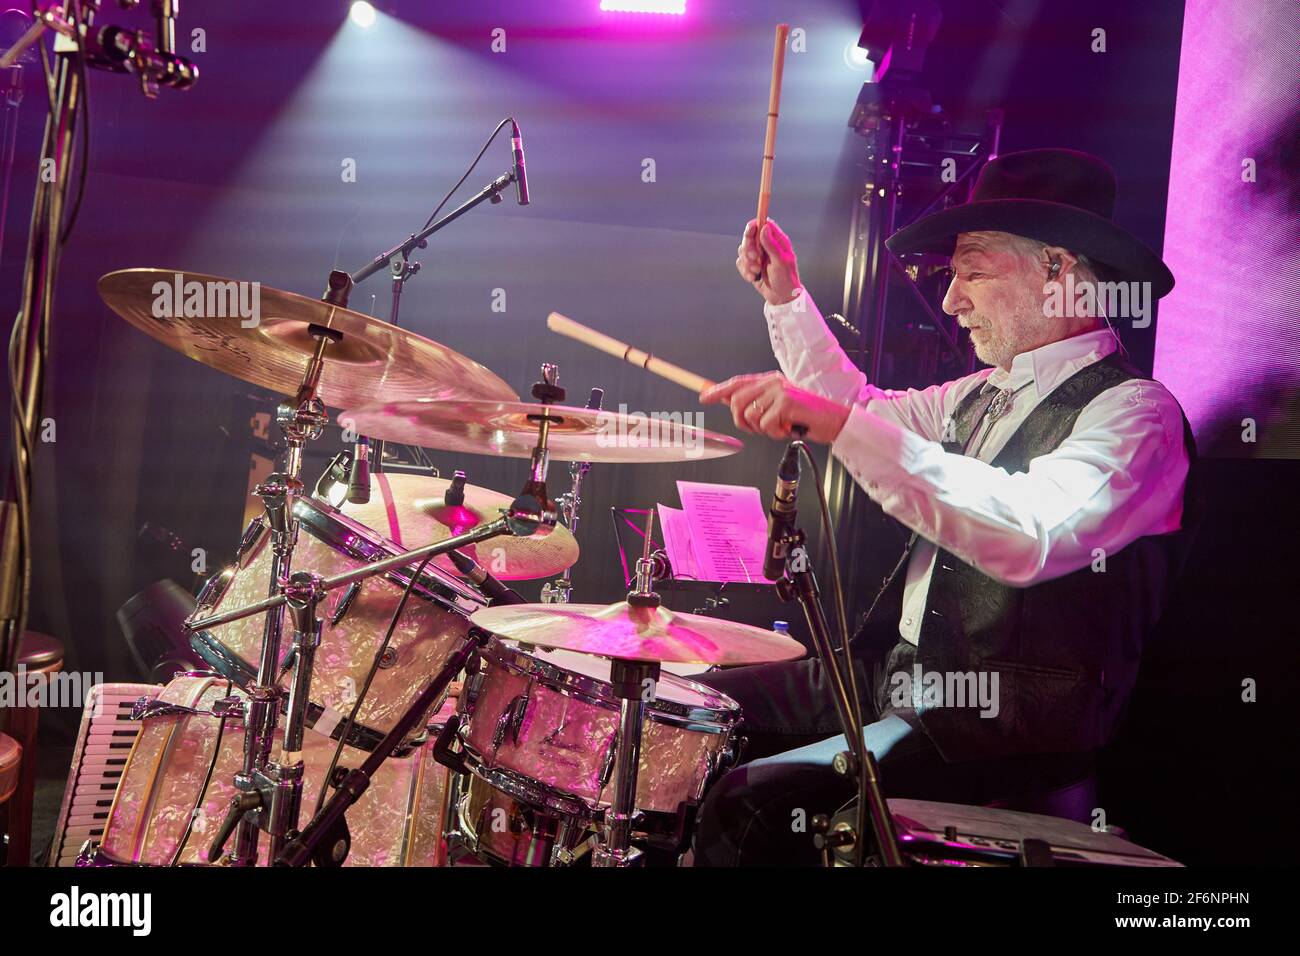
355 617
545 733
500 830
183 765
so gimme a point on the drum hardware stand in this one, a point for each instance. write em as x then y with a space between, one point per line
560 591
799 583
325 840
631 680
264 784
276 788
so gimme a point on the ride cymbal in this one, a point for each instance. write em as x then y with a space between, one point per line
509 429
635 633
262 338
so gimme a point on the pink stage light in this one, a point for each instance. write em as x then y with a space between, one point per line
643 6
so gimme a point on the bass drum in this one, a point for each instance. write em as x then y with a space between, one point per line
178 782
433 624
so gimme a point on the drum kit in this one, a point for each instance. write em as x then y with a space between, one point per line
376 695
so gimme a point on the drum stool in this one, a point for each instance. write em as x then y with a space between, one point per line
37 654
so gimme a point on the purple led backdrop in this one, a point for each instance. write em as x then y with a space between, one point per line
1229 342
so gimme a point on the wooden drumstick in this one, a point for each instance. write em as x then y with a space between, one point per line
628 353
635 356
769 142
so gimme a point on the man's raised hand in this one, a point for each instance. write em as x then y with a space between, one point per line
776 275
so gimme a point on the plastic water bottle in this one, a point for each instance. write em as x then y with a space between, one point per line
781 627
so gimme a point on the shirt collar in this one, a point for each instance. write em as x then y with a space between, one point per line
1049 365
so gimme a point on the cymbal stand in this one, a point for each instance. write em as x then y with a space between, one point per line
634 683
325 840
560 591
268 792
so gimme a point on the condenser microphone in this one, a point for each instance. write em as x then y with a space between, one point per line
359 473
521 173
780 519
497 593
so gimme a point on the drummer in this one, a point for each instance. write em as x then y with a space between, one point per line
1046 496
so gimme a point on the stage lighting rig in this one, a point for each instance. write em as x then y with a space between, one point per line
115 49
895 37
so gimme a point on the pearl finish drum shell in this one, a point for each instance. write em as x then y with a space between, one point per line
432 625
397 822
497 828
560 739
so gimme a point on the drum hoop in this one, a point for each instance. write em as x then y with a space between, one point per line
94 856
360 542
540 796
320 520
528 790
702 719
188 707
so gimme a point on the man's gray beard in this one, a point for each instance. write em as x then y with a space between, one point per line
986 352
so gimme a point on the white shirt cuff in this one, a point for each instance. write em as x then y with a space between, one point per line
875 452
795 323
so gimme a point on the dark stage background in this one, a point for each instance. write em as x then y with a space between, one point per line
242 177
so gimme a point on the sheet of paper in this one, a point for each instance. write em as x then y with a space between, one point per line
676 531
728 528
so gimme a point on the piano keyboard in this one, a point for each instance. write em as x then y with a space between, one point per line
103 745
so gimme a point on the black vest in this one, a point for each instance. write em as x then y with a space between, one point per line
1066 651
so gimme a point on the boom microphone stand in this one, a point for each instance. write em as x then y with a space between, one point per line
369 456
798 582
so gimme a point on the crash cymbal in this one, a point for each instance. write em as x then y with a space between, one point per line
637 633
374 359
509 429
412 511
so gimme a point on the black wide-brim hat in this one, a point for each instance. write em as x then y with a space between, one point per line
1059 197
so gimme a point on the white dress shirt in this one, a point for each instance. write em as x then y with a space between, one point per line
1118 476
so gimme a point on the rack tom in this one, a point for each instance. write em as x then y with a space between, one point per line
432 625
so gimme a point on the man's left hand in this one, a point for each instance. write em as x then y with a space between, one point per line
768 404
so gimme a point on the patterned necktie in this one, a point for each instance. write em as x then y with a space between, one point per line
993 404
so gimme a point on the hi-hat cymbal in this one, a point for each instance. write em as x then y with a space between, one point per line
509 429
637 633
412 511
201 318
